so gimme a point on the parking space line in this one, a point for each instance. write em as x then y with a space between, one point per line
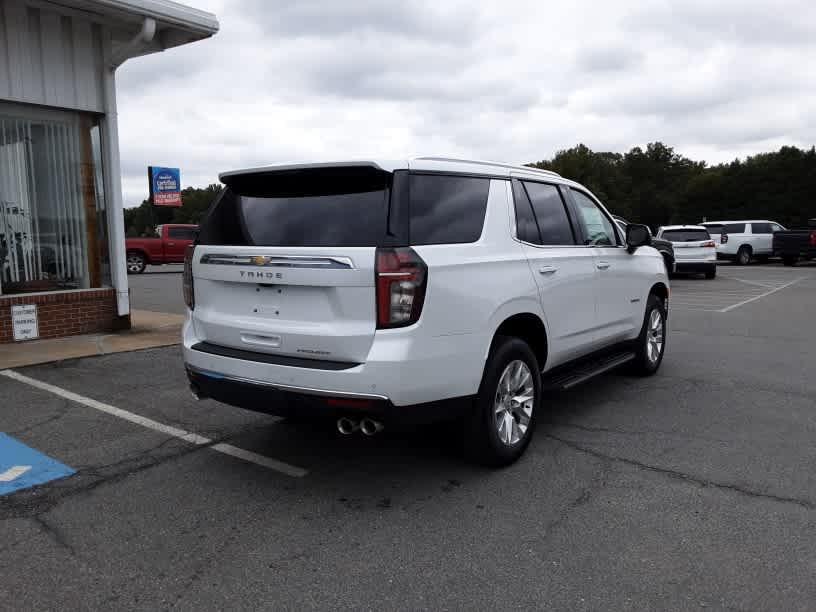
762 295
187 436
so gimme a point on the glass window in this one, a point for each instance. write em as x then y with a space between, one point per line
526 226
182 233
342 207
733 228
447 209
713 228
551 215
685 235
761 228
598 229
775 227
50 237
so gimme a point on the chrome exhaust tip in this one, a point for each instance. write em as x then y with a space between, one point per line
347 426
196 392
370 427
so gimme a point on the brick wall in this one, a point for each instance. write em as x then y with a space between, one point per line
65 313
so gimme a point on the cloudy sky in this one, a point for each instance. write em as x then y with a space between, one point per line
515 81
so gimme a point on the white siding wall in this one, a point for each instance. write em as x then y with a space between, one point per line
48 58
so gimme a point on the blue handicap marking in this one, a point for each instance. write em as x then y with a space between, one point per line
21 466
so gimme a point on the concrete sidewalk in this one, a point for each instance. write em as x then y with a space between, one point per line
149 329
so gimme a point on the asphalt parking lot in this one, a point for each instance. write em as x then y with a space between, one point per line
693 488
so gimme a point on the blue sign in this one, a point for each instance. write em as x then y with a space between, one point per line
165 186
22 467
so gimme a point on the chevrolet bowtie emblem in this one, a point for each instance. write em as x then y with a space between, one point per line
260 260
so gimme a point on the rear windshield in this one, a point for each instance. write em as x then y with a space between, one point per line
686 235
342 207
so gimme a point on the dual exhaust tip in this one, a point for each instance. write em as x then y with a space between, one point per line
367 426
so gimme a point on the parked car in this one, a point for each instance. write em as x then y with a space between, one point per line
694 250
742 241
383 293
664 247
793 245
167 247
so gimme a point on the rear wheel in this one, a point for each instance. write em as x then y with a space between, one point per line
744 255
789 261
136 263
504 416
651 344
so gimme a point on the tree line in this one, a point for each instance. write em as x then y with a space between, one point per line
656 186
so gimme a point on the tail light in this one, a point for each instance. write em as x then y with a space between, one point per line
710 243
723 238
401 278
813 239
187 278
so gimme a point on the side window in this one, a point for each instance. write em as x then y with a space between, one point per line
447 209
775 227
733 228
761 228
181 233
598 229
526 226
550 213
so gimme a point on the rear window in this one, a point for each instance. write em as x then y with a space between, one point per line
733 228
685 235
447 209
338 206
714 229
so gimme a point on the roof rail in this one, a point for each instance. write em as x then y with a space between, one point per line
489 163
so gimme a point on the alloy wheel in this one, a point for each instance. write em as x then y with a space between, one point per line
514 402
654 336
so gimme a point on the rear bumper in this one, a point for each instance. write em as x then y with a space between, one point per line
694 267
401 369
283 401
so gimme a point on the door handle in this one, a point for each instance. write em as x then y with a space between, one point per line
171 244
602 265
547 270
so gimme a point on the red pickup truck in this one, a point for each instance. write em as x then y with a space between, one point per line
167 247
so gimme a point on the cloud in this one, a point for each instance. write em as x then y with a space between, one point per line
513 81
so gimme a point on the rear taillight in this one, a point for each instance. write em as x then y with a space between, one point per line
187 278
401 277
710 243
813 239
723 238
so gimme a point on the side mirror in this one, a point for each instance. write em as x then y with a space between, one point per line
637 236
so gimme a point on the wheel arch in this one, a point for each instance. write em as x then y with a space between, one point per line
527 326
661 291
140 251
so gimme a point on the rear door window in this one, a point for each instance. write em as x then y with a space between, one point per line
733 228
526 226
685 235
550 213
447 209
181 233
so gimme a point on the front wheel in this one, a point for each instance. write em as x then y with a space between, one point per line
504 415
651 343
136 263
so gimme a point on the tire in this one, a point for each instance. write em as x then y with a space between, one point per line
789 261
498 437
646 361
136 262
712 273
743 256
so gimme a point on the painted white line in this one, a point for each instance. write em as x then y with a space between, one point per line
14 473
758 284
175 432
762 295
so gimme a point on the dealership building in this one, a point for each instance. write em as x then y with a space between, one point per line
62 240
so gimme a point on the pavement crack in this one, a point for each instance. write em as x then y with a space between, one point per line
703 482
54 533
55 417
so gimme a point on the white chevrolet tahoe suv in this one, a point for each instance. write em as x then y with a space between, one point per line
381 293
